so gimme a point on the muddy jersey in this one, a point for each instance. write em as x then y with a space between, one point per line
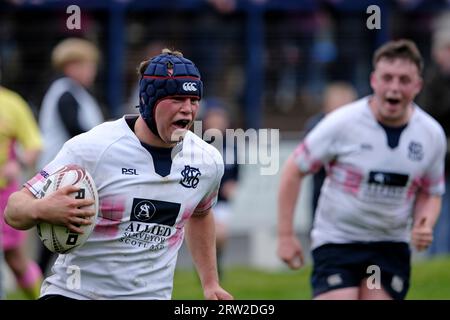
371 187
132 251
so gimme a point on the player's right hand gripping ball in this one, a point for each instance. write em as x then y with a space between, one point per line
60 239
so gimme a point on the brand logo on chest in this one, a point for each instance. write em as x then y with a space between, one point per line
144 210
154 211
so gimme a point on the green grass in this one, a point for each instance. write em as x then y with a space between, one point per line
245 283
430 280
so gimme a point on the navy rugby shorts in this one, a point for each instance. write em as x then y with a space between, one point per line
339 266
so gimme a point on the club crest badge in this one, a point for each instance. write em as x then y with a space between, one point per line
190 177
415 151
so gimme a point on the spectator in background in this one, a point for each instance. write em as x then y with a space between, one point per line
68 109
435 99
216 117
336 94
17 125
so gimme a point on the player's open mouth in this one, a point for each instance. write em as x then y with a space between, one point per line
181 124
393 101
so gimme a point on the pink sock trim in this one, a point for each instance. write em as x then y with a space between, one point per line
31 276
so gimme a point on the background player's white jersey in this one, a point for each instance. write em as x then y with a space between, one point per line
370 188
133 250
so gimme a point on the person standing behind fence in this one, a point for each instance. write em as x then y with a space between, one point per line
383 188
17 125
68 109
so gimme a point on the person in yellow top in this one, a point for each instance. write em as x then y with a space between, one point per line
17 126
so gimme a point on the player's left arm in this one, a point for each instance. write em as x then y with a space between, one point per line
426 213
427 206
200 238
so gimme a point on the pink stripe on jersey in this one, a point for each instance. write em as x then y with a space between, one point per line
299 149
303 155
178 236
346 177
207 203
35 184
427 184
415 185
35 179
110 216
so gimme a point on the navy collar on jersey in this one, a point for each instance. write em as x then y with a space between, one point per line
393 134
162 157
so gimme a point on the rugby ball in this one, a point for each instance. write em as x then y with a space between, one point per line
60 239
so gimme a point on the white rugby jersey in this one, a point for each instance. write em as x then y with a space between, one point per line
132 251
370 188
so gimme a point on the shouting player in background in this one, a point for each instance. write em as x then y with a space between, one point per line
385 166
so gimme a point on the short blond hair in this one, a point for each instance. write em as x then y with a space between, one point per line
73 50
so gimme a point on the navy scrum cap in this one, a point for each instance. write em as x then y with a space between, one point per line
157 84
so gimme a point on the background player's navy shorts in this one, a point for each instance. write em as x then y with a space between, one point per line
339 266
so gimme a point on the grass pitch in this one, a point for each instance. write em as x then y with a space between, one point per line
430 280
